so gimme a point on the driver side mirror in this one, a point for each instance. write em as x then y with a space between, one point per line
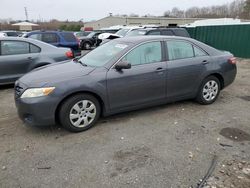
122 65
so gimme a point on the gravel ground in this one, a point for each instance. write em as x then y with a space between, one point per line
166 146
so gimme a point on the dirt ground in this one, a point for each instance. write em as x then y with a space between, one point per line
170 146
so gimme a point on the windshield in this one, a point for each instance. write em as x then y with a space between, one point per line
103 54
122 32
136 33
91 34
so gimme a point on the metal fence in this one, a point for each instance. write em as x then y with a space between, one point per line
233 38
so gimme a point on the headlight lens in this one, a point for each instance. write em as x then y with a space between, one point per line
37 92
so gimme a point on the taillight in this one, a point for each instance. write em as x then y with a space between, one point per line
69 54
232 60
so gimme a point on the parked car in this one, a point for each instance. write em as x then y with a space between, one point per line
82 33
91 40
11 33
20 55
124 74
57 38
167 31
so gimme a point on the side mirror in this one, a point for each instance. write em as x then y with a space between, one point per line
122 65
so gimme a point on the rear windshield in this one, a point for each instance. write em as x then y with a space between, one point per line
69 37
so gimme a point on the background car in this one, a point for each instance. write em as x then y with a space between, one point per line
124 74
11 33
167 31
91 40
20 55
57 38
82 33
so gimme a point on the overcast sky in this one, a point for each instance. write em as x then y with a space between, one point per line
93 9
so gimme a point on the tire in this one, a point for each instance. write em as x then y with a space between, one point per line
75 117
86 46
209 90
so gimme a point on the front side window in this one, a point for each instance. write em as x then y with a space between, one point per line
179 50
49 38
144 54
14 47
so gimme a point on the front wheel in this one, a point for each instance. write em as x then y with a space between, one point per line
209 90
79 112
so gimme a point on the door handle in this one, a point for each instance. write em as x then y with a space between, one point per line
159 69
204 62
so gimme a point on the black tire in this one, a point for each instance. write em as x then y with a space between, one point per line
201 98
66 110
86 46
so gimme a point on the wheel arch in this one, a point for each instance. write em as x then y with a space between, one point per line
220 78
100 100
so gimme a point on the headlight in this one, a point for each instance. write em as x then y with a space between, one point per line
37 92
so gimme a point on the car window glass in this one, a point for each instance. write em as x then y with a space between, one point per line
198 52
179 50
69 37
34 49
154 33
49 37
36 36
181 32
14 47
167 32
144 54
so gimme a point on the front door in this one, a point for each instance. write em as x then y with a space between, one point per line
144 83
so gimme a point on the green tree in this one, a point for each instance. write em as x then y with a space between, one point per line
246 12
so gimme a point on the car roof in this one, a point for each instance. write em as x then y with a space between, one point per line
139 39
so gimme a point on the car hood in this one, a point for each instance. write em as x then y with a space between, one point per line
55 73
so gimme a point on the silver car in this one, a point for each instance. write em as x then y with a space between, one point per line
20 55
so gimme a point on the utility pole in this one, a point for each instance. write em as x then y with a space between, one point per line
26 13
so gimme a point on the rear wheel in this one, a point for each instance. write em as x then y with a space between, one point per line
209 90
79 112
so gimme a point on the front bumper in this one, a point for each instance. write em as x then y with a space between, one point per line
37 111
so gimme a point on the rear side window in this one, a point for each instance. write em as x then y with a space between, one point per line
198 52
145 54
34 49
14 47
179 50
18 47
68 37
167 32
49 38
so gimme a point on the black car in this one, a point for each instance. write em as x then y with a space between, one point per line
20 55
121 75
91 40
167 31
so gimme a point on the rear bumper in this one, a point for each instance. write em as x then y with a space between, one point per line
230 76
38 111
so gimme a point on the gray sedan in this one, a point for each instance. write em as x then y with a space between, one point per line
20 55
124 74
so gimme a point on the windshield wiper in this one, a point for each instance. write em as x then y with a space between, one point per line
78 61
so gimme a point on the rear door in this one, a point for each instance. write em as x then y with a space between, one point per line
185 67
16 58
144 83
